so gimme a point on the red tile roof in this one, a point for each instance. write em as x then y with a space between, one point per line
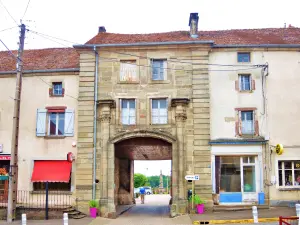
41 59
227 37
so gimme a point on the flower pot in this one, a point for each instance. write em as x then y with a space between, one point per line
200 208
93 212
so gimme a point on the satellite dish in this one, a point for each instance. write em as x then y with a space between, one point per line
279 149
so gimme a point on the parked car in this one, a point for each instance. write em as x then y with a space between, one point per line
148 190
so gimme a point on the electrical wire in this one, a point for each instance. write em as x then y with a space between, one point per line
8 12
144 57
9 51
9 28
26 9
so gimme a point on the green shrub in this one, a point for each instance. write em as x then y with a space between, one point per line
197 199
94 204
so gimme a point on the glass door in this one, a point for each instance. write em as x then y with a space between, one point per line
249 178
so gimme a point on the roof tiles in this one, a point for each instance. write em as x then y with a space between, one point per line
41 59
220 37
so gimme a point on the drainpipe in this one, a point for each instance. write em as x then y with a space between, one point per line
95 121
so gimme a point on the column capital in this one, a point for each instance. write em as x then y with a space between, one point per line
107 102
179 101
105 118
180 117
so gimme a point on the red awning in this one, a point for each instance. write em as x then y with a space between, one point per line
51 171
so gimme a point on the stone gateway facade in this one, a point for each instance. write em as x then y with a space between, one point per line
151 97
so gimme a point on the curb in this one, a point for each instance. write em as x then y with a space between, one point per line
260 220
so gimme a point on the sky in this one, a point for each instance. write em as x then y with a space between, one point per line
152 167
78 21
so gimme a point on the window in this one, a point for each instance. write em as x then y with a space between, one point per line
56 124
52 186
128 71
128 111
159 69
243 56
289 173
57 90
247 124
159 111
55 121
245 82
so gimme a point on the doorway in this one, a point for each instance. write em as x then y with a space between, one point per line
237 179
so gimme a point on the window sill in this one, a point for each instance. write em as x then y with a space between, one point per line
246 92
159 82
53 96
289 189
128 82
54 137
58 192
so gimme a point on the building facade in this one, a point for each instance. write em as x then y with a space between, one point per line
48 119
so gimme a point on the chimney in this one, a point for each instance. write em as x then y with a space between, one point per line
102 29
193 23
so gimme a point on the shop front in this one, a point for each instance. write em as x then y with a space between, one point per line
237 174
4 176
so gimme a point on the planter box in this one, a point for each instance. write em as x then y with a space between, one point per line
93 212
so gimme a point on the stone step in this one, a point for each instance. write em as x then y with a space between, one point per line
220 208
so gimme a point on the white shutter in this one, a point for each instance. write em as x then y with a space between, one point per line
41 116
69 122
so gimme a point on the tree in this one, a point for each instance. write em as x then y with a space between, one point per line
139 180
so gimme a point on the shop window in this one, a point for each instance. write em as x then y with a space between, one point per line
128 71
55 121
159 111
52 186
289 173
230 174
128 111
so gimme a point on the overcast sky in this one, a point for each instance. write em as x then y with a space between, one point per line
78 21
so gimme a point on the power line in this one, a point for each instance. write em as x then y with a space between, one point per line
9 28
26 9
8 12
10 52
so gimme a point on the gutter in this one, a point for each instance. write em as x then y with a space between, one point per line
144 44
95 121
42 71
237 142
259 46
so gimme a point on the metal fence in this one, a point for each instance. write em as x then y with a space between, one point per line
37 200
288 220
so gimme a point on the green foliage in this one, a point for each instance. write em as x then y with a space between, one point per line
139 180
94 204
154 181
197 199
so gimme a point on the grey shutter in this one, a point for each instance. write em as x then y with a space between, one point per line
69 122
41 117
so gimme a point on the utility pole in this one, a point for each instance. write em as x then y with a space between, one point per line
13 173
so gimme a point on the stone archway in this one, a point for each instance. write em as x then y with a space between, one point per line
108 192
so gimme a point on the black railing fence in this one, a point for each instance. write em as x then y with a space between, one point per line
37 200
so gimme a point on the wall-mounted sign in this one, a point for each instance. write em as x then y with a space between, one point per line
4 157
1 148
279 149
192 177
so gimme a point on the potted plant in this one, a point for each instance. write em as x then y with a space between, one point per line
94 205
198 202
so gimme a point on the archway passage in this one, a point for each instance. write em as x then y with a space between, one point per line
126 151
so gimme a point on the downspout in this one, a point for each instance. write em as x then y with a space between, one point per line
95 121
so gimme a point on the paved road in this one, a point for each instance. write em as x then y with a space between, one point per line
154 211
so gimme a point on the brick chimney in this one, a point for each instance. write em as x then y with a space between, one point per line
193 23
102 29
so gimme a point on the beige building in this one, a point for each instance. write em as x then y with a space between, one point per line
216 103
48 118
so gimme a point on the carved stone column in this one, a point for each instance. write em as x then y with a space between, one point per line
107 161
180 118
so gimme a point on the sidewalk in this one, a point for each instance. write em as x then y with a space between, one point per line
243 216
84 221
